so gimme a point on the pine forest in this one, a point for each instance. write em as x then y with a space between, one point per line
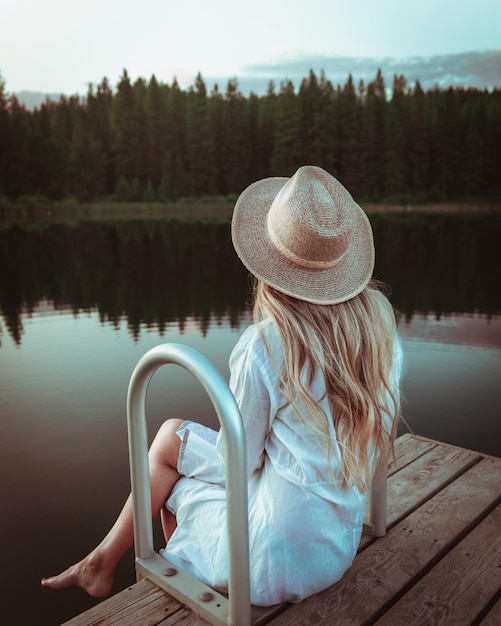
153 142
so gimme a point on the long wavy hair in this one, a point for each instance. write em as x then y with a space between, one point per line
352 343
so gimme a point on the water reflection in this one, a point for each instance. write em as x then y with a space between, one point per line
154 273
440 264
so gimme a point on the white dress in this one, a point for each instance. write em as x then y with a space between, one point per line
304 529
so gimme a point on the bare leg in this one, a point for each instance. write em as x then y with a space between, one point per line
169 523
95 572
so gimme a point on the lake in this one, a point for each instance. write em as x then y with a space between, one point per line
80 303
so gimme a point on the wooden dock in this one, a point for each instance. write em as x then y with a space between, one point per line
439 563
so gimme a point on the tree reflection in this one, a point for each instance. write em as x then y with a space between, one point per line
155 273
152 274
439 264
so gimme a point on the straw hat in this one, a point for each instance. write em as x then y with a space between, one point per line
305 236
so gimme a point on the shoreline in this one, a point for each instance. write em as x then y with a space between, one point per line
206 210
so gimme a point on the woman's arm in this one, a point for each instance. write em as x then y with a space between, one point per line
253 389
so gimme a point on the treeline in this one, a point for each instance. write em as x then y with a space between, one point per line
150 141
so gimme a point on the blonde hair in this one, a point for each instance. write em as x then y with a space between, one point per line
352 343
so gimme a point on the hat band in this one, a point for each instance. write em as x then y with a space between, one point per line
297 260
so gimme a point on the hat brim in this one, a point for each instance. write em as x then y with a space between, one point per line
258 254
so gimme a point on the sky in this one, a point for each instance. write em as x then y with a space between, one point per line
60 46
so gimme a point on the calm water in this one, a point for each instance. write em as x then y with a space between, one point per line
79 306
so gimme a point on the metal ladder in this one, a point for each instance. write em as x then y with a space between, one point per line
205 601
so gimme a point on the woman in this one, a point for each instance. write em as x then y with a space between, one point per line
316 381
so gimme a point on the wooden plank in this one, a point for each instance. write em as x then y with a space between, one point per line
184 617
493 617
407 450
459 588
151 615
387 568
416 482
142 603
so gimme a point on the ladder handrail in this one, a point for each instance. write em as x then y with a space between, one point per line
235 464
378 503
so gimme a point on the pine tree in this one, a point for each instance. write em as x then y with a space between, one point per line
216 106
127 130
236 140
492 143
141 138
149 193
156 129
164 192
45 168
14 162
330 151
174 162
418 149
62 118
5 139
373 139
445 145
347 137
310 104
287 149
86 161
471 151
252 116
200 145
99 113
267 131
396 144
136 192
123 192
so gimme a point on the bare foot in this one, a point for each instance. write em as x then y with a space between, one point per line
90 574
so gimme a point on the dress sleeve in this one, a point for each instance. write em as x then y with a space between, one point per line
253 390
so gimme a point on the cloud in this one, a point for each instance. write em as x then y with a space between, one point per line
468 69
